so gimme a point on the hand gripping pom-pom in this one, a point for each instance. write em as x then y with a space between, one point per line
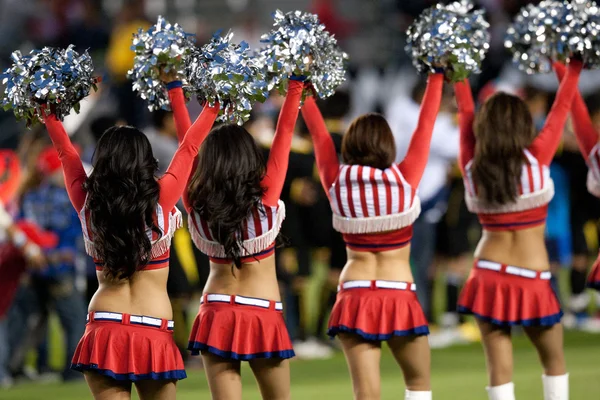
452 37
47 80
164 47
299 44
225 72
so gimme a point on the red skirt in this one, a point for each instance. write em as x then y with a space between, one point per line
506 296
594 277
129 348
240 328
377 313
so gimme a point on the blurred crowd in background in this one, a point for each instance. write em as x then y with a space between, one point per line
380 79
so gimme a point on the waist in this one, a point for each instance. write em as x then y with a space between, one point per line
392 265
215 298
130 319
377 242
249 259
155 263
257 279
146 295
515 220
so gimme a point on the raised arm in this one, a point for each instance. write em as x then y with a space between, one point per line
180 112
174 181
75 175
414 163
586 134
280 150
466 116
545 144
325 153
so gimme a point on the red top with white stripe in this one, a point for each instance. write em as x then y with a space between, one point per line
374 209
261 227
586 134
171 184
535 186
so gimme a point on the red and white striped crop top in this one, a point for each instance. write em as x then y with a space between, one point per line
260 230
261 227
587 136
167 223
171 184
536 188
374 209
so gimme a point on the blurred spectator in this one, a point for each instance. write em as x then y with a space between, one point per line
119 60
163 138
49 207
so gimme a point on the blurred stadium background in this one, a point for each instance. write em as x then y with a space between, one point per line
380 78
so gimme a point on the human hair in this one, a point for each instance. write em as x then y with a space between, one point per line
369 141
122 194
503 129
226 186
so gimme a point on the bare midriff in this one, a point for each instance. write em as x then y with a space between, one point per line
145 293
255 279
390 265
524 248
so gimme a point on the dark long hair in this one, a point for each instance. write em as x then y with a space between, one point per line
504 129
227 185
122 197
369 141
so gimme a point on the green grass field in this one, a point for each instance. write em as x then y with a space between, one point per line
457 373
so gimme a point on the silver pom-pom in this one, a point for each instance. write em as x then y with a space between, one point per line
54 80
540 34
452 37
585 36
299 44
164 47
225 72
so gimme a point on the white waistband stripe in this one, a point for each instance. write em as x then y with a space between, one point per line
518 271
133 319
378 284
246 301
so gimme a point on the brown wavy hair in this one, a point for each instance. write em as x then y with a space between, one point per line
503 129
369 141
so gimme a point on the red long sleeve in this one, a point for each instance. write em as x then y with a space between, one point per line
413 165
73 169
174 181
282 142
466 116
545 144
585 132
327 159
180 112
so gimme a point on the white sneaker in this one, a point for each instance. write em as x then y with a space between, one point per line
446 338
590 325
312 349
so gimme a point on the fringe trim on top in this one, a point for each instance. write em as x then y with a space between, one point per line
593 186
159 247
249 247
381 223
523 203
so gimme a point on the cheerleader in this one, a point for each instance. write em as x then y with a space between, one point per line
587 139
234 217
374 204
128 219
508 186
